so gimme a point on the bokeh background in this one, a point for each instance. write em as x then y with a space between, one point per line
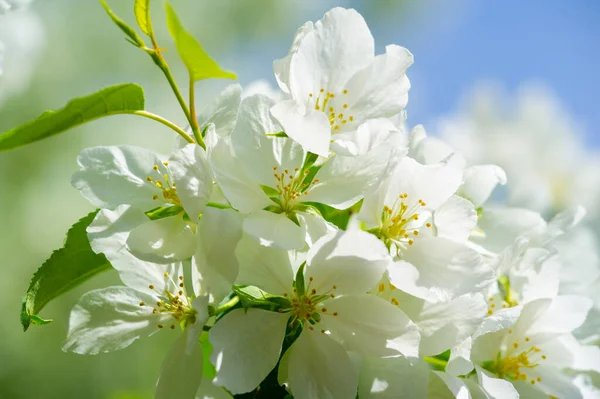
476 65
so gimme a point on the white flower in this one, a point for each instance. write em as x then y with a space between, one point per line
398 210
154 298
269 178
532 352
336 82
530 136
333 313
127 175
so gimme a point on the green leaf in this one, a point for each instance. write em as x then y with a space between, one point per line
113 100
64 270
199 64
128 30
208 370
141 9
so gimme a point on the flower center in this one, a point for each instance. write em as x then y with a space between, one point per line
400 224
166 187
308 307
516 365
328 103
175 302
290 186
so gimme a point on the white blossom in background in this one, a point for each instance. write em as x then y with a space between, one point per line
531 136
22 40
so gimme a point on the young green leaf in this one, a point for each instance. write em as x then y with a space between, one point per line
135 39
142 15
112 100
199 64
64 270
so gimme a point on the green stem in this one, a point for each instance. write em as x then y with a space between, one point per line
160 61
162 120
435 362
193 119
228 305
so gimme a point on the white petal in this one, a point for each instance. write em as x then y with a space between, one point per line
455 219
309 128
496 388
393 378
353 261
339 45
437 269
526 390
444 386
109 319
164 240
444 325
316 227
215 266
108 234
193 177
244 193
381 89
222 112
112 176
556 316
371 326
181 371
267 268
459 362
246 347
502 225
320 368
480 181
369 136
343 180
260 153
427 150
274 229
281 67
434 184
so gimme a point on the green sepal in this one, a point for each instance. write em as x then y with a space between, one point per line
134 38
111 100
299 282
253 297
208 369
310 160
199 64
293 217
164 212
278 134
141 9
67 268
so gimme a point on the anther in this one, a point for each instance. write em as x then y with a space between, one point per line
172 326
181 285
395 301
324 310
155 167
345 105
149 178
166 163
142 303
151 286
155 197
160 326
335 313
345 91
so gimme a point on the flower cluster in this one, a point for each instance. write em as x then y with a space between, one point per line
317 243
